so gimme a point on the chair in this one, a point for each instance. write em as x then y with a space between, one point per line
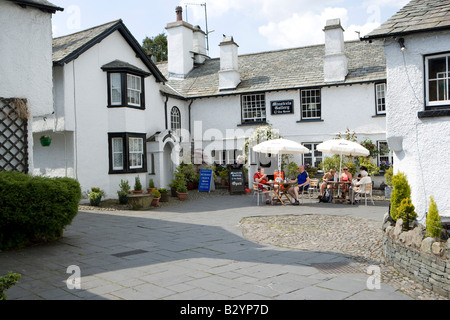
259 191
313 187
365 190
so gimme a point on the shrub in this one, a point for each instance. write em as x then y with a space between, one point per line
151 183
406 213
35 209
388 176
7 282
156 194
401 190
137 184
434 225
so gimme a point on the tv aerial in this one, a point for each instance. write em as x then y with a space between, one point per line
206 20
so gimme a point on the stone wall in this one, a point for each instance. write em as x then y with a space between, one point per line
427 262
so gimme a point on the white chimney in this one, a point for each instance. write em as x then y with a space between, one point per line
199 45
180 40
336 63
229 77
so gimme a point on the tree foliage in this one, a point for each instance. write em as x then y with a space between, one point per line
156 47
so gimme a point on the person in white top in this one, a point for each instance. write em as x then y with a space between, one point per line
363 178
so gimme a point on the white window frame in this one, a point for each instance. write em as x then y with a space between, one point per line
134 90
445 78
311 105
117 152
254 108
118 87
175 120
380 96
136 152
314 155
384 156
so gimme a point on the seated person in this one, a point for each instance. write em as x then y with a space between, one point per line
329 176
347 177
365 179
261 179
302 182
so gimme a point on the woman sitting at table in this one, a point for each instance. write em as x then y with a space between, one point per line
347 178
261 179
329 176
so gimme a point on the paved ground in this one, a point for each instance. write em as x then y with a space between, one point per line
193 251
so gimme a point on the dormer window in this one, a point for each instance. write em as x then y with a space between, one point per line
125 85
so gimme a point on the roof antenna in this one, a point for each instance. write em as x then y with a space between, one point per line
206 20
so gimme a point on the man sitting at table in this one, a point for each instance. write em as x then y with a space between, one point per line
302 183
261 179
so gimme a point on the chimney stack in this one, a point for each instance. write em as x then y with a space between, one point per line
229 77
336 62
179 11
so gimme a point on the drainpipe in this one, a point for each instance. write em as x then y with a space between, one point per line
190 104
165 109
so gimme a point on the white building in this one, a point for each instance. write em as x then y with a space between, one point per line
26 75
417 44
309 94
118 116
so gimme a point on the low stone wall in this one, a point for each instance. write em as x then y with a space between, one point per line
427 262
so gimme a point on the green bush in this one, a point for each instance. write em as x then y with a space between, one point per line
434 224
35 209
406 213
401 190
7 282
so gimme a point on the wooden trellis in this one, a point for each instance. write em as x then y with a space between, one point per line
14 135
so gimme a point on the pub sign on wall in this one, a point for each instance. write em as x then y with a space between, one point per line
282 107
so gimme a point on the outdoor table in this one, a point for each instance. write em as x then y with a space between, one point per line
335 189
281 193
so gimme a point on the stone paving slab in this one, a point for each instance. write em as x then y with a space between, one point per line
193 251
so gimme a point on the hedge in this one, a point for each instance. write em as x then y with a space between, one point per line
35 209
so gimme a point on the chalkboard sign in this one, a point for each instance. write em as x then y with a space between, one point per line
282 107
206 181
237 182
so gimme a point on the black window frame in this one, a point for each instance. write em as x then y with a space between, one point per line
302 119
124 88
376 98
253 122
126 152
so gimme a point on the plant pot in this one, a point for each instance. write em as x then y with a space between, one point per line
149 190
137 191
46 141
164 197
173 192
223 182
182 196
123 198
155 202
95 202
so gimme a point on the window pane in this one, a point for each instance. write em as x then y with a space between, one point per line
134 90
311 104
117 150
254 108
116 89
381 98
136 152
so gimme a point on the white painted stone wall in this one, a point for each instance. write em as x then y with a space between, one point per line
423 156
26 60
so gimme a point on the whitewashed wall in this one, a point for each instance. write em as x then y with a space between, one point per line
423 154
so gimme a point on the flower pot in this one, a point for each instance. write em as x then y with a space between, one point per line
155 202
173 192
95 202
149 190
123 198
46 141
182 196
137 191
164 197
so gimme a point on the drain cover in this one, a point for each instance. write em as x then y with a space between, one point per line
129 253
336 268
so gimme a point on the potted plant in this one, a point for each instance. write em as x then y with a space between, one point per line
124 191
178 181
137 186
182 192
164 194
156 197
95 196
223 174
151 186
46 141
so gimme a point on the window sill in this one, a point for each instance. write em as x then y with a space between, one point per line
310 120
131 107
252 123
381 115
434 113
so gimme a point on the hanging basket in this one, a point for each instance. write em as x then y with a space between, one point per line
46 141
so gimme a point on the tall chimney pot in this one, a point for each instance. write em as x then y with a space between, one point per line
179 11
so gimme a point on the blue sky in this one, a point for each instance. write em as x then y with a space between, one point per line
256 25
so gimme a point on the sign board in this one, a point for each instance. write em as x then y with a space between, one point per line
237 181
282 107
206 182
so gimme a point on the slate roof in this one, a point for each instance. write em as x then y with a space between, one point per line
40 4
280 70
416 16
70 47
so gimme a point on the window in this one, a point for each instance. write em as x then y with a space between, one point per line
380 96
254 108
125 90
385 159
127 153
311 104
314 158
224 157
437 71
175 120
